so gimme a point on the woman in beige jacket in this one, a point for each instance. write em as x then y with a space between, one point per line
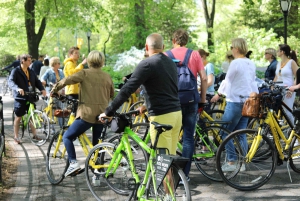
95 91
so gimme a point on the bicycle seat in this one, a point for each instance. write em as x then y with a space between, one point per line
161 126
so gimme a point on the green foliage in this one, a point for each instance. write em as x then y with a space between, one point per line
260 74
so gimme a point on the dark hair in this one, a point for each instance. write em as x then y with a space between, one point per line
46 62
181 37
288 52
72 49
248 54
202 52
24 57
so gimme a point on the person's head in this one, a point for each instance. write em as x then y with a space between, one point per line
203 53
270 54
285 50
46 62
95 59
25 60
154 44
180 37
55 63
229 56
41 57
74 53
239 47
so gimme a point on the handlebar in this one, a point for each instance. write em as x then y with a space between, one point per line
126 115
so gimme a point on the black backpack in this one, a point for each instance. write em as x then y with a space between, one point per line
187 83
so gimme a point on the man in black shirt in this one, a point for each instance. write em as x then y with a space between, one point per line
158 75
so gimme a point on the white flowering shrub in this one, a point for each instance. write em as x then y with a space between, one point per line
129 59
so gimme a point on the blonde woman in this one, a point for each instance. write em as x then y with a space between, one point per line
239 81
96 90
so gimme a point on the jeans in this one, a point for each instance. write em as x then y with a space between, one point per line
189 119
233 113
78 127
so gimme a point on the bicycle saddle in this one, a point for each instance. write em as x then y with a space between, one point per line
161 126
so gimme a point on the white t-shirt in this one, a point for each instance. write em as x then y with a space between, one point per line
239 80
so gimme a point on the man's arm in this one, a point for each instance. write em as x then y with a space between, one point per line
203 86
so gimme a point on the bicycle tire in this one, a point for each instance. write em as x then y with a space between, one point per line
181 192
58 165
139 118
114 187
207 165
294 160
42 127
245 176
4 87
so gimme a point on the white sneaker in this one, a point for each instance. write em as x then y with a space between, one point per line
74 166
228 167
243 168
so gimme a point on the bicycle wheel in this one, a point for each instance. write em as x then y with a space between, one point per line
143 118
40 122
216 114
117 185
180 192
295 149
205 161
243 174
56 159
141 129
4 87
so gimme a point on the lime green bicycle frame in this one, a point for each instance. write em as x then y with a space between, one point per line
30 114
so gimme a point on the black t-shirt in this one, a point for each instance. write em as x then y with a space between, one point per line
158 75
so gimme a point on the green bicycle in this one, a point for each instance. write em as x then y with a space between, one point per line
35 123
119 179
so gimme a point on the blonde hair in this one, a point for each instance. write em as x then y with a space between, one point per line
95 59
53 61
272 52
241 45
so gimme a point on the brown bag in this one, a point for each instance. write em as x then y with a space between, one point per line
251 107
62 113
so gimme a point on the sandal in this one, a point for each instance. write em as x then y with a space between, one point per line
17 140
35 137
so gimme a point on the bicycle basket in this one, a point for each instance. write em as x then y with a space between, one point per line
251 107
33 98
118 124
62 112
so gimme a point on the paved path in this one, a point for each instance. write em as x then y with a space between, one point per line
32 183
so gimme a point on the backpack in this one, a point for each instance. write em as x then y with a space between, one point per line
187 83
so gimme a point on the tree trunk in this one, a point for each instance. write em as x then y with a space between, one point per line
33 39
140 24
209 18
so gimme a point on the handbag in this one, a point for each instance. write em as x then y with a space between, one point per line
251 107
118 124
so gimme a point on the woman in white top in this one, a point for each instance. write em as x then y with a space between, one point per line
239 81
286 72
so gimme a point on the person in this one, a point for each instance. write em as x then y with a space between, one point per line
239 81
44 68
21 80
189 111
96 90
52 76
70 68
14 64
286 72
209 70
37 65
270 55
226 63
248 54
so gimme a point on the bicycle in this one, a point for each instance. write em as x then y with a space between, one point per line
256 161
56 158
114 165
34 119
5 86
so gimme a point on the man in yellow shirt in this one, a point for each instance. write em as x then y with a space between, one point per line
70 68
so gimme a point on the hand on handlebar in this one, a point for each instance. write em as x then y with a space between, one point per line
142 109
102 117
21 91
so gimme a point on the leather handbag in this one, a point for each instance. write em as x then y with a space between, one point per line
62 112
251 107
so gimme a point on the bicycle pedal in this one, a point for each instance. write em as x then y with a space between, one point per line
77 172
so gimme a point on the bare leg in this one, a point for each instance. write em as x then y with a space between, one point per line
171 182
17 126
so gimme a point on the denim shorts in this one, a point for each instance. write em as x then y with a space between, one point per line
20 107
